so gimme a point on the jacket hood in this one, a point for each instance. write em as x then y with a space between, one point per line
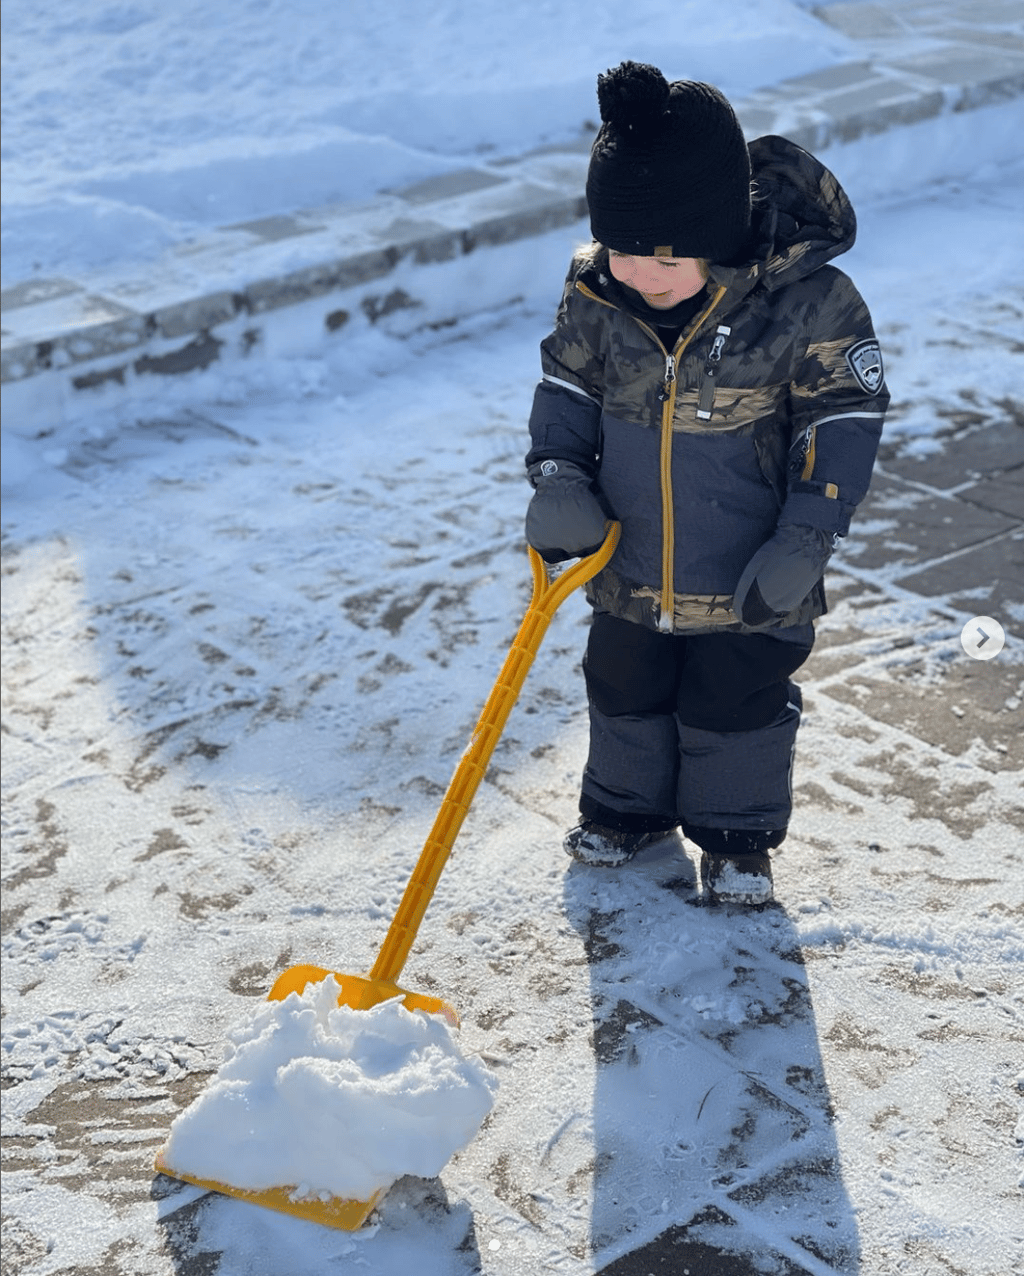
802 217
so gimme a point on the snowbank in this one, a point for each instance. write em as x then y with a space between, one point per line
131 128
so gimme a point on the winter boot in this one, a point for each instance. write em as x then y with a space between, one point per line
737 879
604 847
735 866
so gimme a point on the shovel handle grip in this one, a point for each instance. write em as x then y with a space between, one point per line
548 595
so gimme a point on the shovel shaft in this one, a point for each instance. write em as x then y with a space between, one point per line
548 595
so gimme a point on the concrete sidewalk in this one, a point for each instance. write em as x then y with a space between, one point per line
334 269
941 536
905 808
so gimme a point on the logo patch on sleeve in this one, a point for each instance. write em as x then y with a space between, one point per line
865 362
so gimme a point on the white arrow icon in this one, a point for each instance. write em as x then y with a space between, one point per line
982 638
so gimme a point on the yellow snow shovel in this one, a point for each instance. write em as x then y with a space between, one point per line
361 992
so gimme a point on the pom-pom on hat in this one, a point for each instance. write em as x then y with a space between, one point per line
669 171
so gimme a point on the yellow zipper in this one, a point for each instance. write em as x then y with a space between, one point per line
592 296
809 455
666 619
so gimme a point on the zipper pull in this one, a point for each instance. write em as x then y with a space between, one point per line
721 332
706 399
670 376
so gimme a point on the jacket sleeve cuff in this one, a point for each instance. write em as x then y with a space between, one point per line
809 506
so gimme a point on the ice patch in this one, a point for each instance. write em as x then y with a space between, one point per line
331 1100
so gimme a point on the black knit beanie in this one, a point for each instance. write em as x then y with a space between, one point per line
669 171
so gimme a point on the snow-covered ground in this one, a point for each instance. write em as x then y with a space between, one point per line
130 126
248 627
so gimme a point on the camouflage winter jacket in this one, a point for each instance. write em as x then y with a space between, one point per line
768 408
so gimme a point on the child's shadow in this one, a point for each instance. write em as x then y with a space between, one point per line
713 1138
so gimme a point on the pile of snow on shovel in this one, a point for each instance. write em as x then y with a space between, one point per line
333 1101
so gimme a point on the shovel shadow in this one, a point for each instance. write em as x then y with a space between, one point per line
713 1139
206 1234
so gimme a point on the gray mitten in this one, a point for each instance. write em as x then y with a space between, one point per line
564 519
781 574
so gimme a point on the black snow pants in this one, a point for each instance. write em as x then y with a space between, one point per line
693 731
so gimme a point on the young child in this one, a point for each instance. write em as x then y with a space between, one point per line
715 386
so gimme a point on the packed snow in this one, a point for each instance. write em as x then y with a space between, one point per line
321 1098
249 623
130 127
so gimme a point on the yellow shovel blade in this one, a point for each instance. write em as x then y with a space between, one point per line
359 992
332 1212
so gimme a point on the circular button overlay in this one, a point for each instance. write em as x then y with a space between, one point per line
982 638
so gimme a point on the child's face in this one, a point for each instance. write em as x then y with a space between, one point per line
663 282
